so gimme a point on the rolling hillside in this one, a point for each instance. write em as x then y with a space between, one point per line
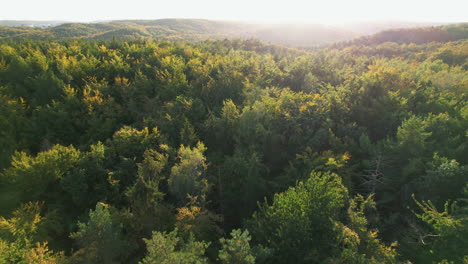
295 35
183 29
418 35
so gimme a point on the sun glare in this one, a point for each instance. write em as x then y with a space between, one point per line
330 11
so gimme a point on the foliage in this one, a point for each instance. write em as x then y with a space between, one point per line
299 223
113 141
236 250
42 255
187 176
195 220
28 178
445 239
168 248
21 236
100 240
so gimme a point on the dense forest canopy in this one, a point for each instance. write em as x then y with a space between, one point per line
232 151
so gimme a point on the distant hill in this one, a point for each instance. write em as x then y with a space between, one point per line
182 29
372 27
29 23
419 35
295 35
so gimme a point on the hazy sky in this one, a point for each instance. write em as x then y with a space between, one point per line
325 11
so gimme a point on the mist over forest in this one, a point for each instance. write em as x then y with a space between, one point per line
298 35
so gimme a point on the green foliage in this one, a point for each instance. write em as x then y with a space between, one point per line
236 250
19 236
148 210
242 185
446 235
99 239
85 122
42 255
168 248
86 184
194 219
412 135
28 178
359 244
443 181
130 142
12 119
188 175
299 223
305 225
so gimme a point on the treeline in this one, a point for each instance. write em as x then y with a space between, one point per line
182 30
419 35
232 152
294 35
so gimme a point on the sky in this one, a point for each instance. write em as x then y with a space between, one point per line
316 11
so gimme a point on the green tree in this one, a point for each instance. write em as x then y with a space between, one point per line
21 234
188 175
298 225
13 123
148 209
168 248
304 225
236 250
87 183
41 254
358 243
194 219
100 239
444 236
29 177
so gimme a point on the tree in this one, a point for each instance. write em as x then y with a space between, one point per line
443 237
85 184
304 225
148 210
188 175
298 225
194 219
168 248
242 182
23 236
358 243
42 255
236 250
443 180
28 177
13 123
100 239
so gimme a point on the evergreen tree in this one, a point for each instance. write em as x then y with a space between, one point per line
100 239
168 248
236 250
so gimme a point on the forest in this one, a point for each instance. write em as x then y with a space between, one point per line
196 30
181 30
234 151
